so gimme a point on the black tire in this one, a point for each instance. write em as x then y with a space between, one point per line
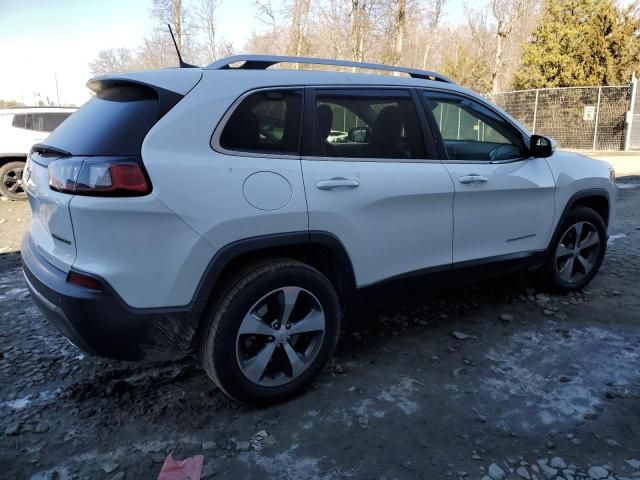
552 276
220 336
11 180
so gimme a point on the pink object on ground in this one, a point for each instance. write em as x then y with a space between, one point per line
189 469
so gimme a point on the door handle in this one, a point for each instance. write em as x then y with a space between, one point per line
473 178
337 183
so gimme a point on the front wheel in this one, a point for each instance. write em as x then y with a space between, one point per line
11 185
270 335
578 250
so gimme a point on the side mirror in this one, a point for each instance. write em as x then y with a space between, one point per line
359 134
541 147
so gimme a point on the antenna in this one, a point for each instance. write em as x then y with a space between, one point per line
181 63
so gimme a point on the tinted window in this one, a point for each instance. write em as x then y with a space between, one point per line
51 121
471 131
114 122
360 125
19 121
265 122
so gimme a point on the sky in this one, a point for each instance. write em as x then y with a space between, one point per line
44 42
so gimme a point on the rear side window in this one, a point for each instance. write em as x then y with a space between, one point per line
39 122
51 121
362 124
266 122
114 122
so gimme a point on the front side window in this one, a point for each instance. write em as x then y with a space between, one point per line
265 122
353 124
470 131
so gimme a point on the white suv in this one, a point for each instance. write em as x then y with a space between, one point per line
208 208
19 129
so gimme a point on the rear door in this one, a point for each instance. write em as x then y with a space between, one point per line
504 201
380 190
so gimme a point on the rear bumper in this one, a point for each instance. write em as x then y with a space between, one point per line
101 323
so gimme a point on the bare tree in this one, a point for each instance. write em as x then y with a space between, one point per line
266 13
112 60
507 14
359 23
299 23
174 13
434 13
207 22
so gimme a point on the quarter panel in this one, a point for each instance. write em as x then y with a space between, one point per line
148 255
206 188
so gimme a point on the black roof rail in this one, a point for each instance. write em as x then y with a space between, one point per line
262 62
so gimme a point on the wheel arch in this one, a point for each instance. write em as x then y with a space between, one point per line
594 198
12 157
322 250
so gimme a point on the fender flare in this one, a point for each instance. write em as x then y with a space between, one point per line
575 198
233 250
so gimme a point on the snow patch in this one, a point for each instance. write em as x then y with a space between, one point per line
613 238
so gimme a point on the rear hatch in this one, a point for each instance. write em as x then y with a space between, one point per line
92 150
51 230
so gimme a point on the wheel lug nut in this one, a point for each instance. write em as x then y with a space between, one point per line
288 326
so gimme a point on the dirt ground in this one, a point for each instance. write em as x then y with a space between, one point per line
491 381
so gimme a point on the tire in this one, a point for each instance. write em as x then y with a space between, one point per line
11 180
255 300
566 266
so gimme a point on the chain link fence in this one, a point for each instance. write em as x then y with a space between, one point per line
581 118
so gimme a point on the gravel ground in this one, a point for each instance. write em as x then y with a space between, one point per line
493 381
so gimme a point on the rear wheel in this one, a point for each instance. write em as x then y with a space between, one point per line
11 185
578 251
271 333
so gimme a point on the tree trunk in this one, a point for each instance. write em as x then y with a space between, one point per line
401 21
497 62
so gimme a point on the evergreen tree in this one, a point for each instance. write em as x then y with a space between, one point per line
581 42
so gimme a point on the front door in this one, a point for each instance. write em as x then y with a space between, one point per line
372 180
504 203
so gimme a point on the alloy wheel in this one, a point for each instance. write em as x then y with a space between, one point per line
577 252
12 181
280 336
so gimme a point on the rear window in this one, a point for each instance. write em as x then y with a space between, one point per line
115 122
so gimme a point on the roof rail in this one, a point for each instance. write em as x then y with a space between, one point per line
262 62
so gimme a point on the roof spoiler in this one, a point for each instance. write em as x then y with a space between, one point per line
262 62
167 99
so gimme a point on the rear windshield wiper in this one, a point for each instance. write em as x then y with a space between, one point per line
48 149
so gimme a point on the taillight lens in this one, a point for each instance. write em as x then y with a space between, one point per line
99 177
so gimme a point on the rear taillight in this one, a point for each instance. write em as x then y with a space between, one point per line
99 177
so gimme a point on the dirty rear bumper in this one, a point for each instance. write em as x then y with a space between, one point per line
101 323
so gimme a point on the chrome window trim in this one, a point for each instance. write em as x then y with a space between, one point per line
369 159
